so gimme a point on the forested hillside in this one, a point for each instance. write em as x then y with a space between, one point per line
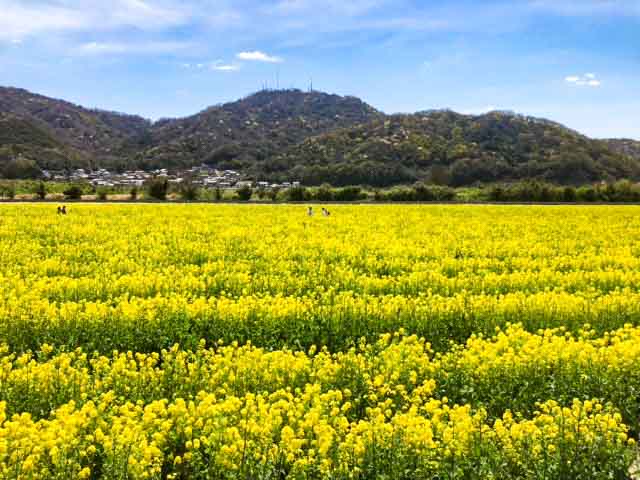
626 147
239 134
313 137
447 147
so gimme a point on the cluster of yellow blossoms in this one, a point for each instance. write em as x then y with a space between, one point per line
252 342
142 278
237 411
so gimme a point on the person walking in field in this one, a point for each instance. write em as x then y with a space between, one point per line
310 211
63 210
59 210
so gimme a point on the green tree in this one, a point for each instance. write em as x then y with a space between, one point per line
73 192
8 190
41 191
569 194
244 193
297 194
21 168
158 188
324 193
273 194
189 191
348 194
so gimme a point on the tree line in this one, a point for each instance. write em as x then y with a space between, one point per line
159 189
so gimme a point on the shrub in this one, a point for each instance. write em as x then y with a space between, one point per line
8 190
158 188
41 191
189 191
588 194
497 194
244 193
569 194
273 194
401 195
297 194
102 194
262 194
324 193
348 194
443 194
422 193
74 192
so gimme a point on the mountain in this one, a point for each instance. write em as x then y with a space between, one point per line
452 148
76 136
625 146
233 135
237 135
310 136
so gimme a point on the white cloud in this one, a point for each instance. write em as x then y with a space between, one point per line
21 18
145 48
258 56
218 66
145 15
18 21
586 80
221 67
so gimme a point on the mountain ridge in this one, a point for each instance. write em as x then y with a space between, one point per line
313 136
452 148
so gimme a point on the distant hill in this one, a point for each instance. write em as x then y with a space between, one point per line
237 135
21 141
452 148
82 137
626 147
310 136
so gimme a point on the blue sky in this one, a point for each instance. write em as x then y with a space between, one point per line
573 61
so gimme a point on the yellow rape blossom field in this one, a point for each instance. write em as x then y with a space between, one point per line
381 342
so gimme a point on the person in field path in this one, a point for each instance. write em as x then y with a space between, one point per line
63 210
59 210
310 211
